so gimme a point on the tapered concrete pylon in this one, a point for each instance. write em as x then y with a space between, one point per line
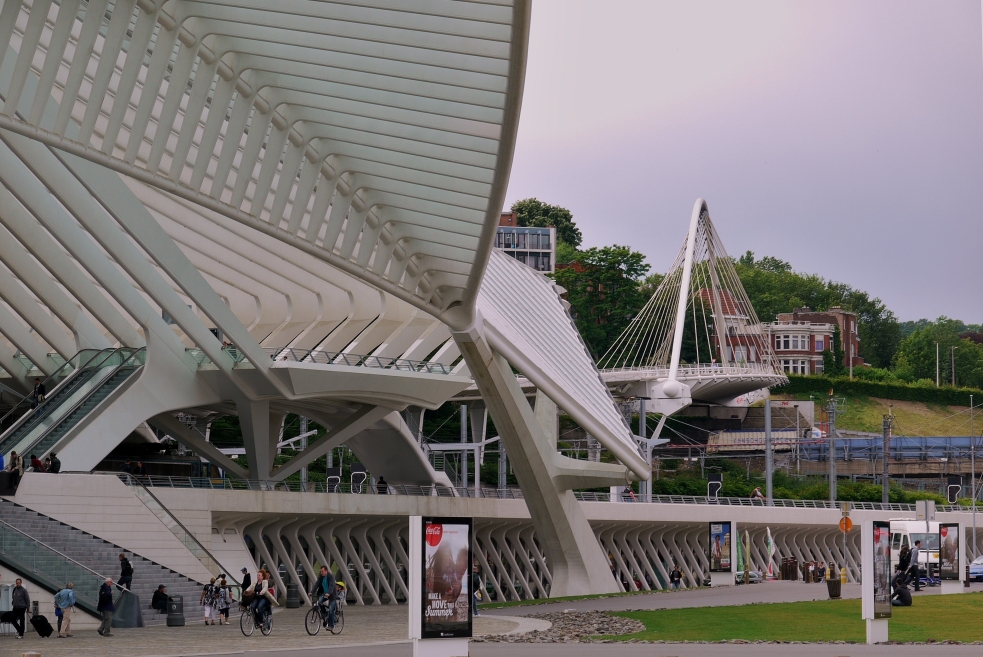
577 564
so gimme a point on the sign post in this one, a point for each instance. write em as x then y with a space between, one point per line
952 557
722 552
875 544
440 586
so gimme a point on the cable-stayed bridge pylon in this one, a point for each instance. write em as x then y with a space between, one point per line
698 337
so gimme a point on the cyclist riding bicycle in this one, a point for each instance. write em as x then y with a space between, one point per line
325 595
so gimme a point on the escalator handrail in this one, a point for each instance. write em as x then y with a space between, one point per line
79 369
130 478
84 398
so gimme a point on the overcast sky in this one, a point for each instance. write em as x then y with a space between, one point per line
843 137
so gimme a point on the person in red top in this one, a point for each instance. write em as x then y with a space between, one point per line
36 465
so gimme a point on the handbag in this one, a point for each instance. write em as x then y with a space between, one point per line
58 612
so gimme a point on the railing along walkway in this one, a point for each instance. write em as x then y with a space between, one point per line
491 493
281 354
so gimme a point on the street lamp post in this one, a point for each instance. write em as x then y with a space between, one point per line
952 360
936 364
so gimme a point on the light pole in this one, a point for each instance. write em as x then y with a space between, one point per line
798 437
972 461
952 361
936 364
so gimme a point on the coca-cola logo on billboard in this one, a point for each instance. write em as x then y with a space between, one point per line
434 533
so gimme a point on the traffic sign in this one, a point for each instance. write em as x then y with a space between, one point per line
846 525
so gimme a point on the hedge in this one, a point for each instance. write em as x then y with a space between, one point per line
821 385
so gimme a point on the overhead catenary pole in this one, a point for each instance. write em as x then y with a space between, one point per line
303 446
952 361
936 364
769 456
972 461
832 450
886 458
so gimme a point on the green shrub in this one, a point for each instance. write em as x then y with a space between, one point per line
920 391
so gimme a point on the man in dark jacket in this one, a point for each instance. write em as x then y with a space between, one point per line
326 590
106 607
20 601
675 577
125 572
246 580
55 464
159 601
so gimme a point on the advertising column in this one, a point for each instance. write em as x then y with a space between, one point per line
875 563
440 586
952 557
721 552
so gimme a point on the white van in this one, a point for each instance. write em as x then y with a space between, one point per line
906 532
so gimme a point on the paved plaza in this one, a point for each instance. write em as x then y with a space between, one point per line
381 630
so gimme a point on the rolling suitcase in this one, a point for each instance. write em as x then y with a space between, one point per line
42 625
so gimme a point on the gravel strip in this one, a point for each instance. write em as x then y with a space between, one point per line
571 627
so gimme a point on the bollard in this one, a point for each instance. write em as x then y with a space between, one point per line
175 611
966 581
843 575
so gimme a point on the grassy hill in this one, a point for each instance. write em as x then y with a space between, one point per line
911 418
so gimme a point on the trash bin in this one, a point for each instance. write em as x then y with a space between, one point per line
175 611
293 596
834 587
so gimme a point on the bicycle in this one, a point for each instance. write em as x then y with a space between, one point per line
318 617
247 623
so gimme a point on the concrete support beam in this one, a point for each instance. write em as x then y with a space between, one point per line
577 563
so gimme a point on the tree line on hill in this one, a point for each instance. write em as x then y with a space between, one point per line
608 286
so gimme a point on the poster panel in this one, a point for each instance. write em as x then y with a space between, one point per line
720 537
447 559
882 569
949 551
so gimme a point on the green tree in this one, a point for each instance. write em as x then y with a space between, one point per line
774 288
604 292
533 212
916 355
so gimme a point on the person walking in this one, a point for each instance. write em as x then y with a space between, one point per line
475 589
246 580
127 467
207 600
20 602
904 561
675 577
224 600
65 603
106 607
55 464
125 572
821 572
913 572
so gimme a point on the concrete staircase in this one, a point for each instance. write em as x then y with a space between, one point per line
103 557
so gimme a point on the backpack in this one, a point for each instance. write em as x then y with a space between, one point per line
223 598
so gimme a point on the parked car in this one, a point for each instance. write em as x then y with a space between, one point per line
976 569
754 577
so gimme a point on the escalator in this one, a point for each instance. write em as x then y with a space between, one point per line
94 378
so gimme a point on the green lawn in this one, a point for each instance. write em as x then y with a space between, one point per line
938 617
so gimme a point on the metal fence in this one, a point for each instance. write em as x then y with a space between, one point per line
491 493
325 358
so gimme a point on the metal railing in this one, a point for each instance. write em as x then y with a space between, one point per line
694 371
281 354
176 527
29 555
490 493
434 490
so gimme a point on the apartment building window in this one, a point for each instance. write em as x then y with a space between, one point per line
795 366
820 344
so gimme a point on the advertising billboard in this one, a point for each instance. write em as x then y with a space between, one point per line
447 558
949 551
882 569
719 552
